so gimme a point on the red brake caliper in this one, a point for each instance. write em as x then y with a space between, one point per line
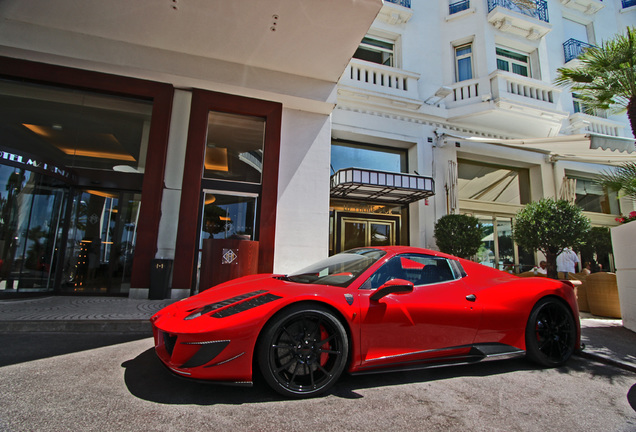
327 346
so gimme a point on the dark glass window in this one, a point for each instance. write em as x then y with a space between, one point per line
73 128
350 155
234 147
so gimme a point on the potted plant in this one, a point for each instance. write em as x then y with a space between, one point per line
458 235
550 226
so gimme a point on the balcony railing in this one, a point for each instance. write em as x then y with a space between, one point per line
628 3
583 123
382 81
534 8
516 87
403 3
573 48
458 6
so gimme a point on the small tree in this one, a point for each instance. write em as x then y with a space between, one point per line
458 235
597 247
550 226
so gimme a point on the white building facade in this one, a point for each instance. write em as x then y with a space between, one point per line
465 92
138 135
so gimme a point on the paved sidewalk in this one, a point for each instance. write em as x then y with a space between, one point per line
78 314
606 339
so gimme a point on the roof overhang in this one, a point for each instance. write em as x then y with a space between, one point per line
307 38
380 186
592 148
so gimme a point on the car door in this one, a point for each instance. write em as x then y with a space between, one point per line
438 318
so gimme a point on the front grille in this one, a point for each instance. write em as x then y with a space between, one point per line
169 342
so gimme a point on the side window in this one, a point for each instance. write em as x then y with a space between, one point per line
419 269
458 270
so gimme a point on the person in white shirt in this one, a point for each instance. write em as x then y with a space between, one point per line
567 262
543 268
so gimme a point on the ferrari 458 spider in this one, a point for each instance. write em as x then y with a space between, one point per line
365 311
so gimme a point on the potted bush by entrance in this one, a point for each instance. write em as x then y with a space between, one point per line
623 241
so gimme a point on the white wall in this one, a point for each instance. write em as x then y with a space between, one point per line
302 220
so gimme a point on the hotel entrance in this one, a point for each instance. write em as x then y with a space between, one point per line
366 230
57 238
72 166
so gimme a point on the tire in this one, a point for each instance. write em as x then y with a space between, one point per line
550 333
303 351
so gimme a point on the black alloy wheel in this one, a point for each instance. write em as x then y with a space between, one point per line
550 333
303 351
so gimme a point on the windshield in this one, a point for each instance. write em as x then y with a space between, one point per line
340 269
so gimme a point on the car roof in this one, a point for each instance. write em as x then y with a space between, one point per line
411 249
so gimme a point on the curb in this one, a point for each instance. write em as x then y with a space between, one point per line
77 326
606 360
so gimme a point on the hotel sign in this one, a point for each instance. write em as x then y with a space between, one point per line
37 165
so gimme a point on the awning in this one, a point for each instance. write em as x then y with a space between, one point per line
593 148
380 186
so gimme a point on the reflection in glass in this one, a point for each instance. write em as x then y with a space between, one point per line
380 234
30 210
234 147
486 253
355 234
101 242
74 128
229 217
348 155
492 184
505 245
593 198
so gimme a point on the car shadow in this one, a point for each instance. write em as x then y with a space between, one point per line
148 379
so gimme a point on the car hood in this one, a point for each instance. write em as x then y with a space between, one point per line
244 297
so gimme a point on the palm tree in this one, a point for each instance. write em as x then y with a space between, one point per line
622 178
606 76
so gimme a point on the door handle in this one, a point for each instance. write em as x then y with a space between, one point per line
471 297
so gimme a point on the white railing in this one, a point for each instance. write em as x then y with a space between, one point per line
380 78
506 85
581 123
466 93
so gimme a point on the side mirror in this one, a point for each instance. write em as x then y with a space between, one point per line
394 286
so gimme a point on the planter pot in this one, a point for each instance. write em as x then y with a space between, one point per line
602 295
623 241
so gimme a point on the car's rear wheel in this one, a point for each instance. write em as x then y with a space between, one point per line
303 351
550 333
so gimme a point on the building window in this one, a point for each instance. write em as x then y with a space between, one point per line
458 6
592 197
464 62
580 106
376 50
234 147
491 183
513 62
352 155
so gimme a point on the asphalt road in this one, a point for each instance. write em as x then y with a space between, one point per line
90 382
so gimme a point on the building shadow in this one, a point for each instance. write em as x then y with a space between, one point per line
24 347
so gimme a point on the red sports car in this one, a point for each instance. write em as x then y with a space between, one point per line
364 311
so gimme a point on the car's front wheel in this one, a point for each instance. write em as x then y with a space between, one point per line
303 351
550 333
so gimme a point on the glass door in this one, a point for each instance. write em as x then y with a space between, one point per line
364 232
31 207
100 242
